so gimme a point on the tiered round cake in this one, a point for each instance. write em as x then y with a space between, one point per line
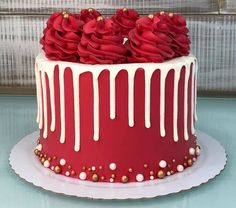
116 96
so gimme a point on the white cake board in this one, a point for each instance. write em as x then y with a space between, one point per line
209 164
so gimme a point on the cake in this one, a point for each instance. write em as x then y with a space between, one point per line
116 96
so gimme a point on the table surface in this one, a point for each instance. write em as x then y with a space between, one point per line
216 116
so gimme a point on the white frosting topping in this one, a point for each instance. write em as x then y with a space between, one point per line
45 67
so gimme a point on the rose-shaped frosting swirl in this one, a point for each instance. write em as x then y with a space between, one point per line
147 43
178 31
125 19
101 43
61 37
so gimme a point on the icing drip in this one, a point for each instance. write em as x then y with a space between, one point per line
195 87
95 107
76 111
43 67
192 99
162 102
175 104
113 74
62 103
131 74
148 76
37 90
45 122
187 73
52 98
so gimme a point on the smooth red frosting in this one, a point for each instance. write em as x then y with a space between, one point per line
125 19
62 36
101 43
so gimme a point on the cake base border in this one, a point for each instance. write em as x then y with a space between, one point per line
209 164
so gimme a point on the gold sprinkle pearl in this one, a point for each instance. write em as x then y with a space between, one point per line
66 15
90 9
151 173
36 152
95 177
124 179
162 12
130 170
72 172
150 16
160 174
171 14
145 165
57 169
113 175
125 9
190 162
100 18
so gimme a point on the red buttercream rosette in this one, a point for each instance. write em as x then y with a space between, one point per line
178 31
125 19
61 37
101 43
147 43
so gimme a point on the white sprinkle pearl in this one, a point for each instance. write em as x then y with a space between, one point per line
191 151
139 177
82 176
198 150
180 168
46 164
194 159
93 168
39 147
52 168
162 164
62 162
111 180
112 166
168 173
151 177
67 173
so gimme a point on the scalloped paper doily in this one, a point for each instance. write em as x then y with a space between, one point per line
210 163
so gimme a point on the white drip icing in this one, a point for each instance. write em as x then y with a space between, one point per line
96 106
45 122
192 98
62 103
76 111
175 104
195 88
131 74
186 80
52 98
37 90
47 67
113 75
148 77
164 73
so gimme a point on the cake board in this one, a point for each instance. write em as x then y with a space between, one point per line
209 164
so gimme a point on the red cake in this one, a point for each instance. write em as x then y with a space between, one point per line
116 96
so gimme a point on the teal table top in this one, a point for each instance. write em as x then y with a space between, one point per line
216 116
